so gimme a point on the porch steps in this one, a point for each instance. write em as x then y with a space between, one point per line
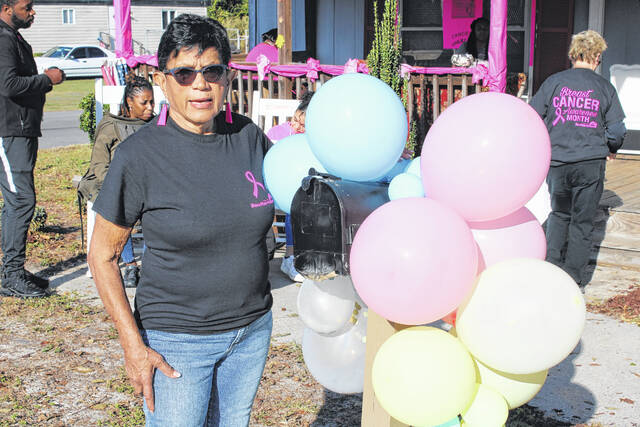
616 251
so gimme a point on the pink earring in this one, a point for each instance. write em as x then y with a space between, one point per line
162 119
228 117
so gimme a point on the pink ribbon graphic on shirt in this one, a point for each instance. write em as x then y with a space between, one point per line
558 116
256 185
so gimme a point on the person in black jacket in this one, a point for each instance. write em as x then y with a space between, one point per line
585 122
22 97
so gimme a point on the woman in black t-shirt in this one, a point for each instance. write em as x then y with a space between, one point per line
194 179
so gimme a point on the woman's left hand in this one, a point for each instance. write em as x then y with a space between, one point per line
140 364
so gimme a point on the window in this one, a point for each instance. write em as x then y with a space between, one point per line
78 53
68 16
422 32
94 52
167 16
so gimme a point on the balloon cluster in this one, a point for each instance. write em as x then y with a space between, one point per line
455 242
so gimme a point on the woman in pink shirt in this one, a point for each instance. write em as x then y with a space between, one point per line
267 47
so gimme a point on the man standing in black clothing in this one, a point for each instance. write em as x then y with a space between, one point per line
585 122
22 97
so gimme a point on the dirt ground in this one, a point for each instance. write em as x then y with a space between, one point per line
61 365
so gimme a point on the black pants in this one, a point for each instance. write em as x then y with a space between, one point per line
16 181
575 190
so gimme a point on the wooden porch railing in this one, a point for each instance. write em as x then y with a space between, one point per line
428 95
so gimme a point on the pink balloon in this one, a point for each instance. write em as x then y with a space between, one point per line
518 235
485 156
413 272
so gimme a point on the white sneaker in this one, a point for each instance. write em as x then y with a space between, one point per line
88 274
287 268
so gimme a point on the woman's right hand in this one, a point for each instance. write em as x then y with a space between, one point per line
140 364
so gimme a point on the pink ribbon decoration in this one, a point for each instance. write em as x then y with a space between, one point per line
351 66
480 73
263 66
313 68
558 117
256 186
134 60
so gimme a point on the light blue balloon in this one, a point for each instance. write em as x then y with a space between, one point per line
357 127
414 167
405 185
454 422
284 167
396 170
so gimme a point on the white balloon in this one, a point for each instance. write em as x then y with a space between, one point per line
525 315
322 311
540 203
337 362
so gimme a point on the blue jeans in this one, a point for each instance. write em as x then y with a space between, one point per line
127 252
220 376
288 231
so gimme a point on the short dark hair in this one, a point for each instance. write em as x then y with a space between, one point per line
304 101
188 31
135 85
272 35
8 3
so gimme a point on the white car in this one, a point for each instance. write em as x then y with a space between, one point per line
75 60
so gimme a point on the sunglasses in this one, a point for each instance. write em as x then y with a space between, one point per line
186 75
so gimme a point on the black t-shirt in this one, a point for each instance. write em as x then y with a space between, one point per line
577 105
204 212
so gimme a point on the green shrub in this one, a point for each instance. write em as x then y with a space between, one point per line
88 115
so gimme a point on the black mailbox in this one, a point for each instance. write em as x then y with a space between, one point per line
325 215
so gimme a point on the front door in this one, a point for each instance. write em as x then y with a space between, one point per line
554 27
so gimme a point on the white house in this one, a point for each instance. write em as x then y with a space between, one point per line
59 22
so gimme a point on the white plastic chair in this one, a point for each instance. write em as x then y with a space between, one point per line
626 80
264 110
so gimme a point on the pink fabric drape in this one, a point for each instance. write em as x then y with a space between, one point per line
498 46
122 18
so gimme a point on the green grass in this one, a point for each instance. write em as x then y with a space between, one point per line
67 95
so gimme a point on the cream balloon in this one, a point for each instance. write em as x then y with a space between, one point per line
523 316
517 389
423 376
488 409
320 310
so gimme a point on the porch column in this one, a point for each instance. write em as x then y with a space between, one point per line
284 29
498 46
596 20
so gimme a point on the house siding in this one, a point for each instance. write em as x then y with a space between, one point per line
90 19
146 22
48 31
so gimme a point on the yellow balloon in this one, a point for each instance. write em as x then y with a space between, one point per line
423 376
517 389
488 409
